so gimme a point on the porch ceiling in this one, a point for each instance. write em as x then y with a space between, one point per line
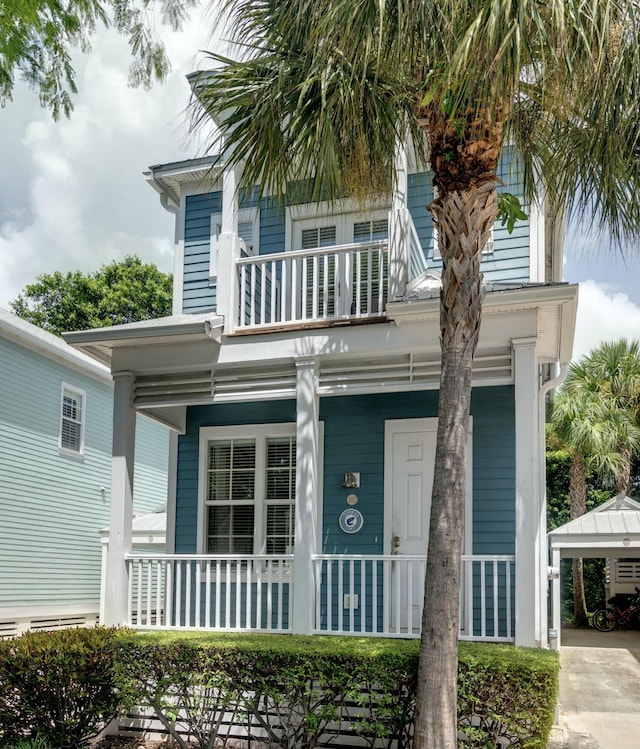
184 359
337 375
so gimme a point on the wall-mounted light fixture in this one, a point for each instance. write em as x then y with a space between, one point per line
351 480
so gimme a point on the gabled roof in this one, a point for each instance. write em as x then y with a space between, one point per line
611 530
621 514
146 528
36 339
167 179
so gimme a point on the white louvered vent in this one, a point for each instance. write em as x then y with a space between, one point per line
170 389
206 387
8 628
241 385
409 370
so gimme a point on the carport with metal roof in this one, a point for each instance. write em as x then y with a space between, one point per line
611 530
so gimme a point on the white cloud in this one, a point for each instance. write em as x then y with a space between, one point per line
73 195
604 314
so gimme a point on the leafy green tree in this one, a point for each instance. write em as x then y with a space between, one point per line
612 371
118 293
37 38
327 88
595 433
595 418
598 491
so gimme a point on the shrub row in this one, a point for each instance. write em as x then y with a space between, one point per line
299 692
61 688
57 689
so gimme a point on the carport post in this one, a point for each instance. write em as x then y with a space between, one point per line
555 596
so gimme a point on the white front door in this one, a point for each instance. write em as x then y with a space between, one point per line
409 462
410 449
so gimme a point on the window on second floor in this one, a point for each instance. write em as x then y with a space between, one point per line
248 228
72 420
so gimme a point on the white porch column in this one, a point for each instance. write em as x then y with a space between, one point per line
399 227
230 200
307 470
527 548
224 250
124 435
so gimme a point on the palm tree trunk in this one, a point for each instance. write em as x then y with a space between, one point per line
577 507
623 478
464 219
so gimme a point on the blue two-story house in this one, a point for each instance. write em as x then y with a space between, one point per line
299 375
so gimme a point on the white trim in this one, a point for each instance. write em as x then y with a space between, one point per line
178 258
35 339
172 486
121 509
244 215
65 387
343 213
261 432
536 243
216 228
529 586
428 423
488 249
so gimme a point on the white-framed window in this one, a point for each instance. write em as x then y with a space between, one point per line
437 255
247 489
72 419
248 228
339 223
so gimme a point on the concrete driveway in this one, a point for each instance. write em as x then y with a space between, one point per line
599 703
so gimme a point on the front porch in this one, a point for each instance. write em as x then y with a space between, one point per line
363 595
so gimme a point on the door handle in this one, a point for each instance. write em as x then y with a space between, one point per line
395 543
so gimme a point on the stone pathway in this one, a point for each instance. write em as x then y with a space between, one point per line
599 704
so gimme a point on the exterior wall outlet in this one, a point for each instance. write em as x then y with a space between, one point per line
350 601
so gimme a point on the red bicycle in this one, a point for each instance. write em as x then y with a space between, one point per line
617 617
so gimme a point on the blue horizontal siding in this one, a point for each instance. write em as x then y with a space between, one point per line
272 227
264 412
52 504
510 259
354 433
197 293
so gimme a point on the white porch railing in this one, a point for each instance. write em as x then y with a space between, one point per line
320 284
382 595
224 592
365 595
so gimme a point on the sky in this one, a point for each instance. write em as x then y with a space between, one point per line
73 195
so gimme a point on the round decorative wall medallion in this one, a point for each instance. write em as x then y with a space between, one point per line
352 499
351 521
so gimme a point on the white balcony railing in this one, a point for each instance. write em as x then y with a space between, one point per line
364 595
225 592
305 286
383 595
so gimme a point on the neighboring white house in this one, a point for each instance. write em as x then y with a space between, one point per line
300 374
56 431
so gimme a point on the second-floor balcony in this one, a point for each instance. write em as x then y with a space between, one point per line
315 286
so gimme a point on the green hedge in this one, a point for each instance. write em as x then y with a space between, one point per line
57 689
291 691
